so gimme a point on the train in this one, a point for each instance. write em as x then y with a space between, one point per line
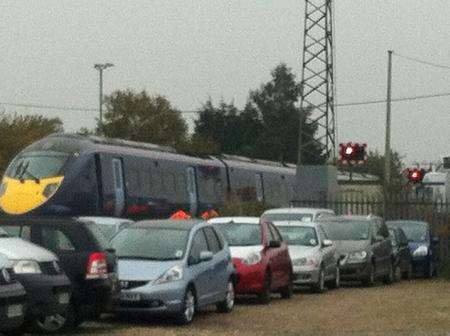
77 175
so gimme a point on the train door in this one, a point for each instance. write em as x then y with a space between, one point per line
192 190
119 187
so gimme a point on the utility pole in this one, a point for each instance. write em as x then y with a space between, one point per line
100 67
387 150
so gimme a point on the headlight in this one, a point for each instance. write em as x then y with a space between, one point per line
252 259
3 187
26 267
173 274
421 251
357 256
299 262
50 189
6 276
307 262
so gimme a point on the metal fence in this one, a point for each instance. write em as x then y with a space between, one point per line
435 213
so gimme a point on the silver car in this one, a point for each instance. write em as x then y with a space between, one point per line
174 267
312 253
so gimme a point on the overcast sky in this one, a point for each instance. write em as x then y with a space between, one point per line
190 50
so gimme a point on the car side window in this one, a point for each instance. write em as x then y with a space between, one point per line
275 234
213 241
322 234
56 240
199 245
19 231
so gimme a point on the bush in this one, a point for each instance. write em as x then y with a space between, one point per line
234 206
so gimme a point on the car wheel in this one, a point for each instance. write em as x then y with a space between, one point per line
52 324
389 277
320 286
430 270
187 313
264 296
397 273
227 305
288 291
369 281
336 283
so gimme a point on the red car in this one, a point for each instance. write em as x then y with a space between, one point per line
260 256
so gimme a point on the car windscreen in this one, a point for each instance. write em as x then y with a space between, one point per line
286 217
37 165
240 234
414 231
347 230
299 235
151 243
3 233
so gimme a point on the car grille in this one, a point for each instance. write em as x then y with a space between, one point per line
49 268
142 304
132 284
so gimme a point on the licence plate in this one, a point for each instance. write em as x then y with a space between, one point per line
14 311
130 296
63 298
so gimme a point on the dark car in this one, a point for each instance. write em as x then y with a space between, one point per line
85 258
12 298
48 289
364 247
402 255
421 244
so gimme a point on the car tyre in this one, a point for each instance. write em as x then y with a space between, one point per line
227 305
389 277
186 315
369 281
336 283
320 286
48 325
264 296
288 291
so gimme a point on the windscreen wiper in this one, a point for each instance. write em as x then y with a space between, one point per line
26 171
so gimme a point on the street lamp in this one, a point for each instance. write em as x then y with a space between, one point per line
100 67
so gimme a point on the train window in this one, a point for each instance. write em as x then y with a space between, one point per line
133 183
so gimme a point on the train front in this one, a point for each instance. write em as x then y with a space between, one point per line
32 178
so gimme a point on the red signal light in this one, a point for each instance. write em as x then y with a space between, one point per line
352 153
416 175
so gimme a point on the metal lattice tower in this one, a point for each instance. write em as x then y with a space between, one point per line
318 77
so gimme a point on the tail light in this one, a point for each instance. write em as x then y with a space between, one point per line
97 267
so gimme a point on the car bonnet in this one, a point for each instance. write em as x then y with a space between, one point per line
348 246
144 270
298 251
19 249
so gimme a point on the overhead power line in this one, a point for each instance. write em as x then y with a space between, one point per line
358 103
417 60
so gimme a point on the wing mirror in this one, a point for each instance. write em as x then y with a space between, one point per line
274 244
327 243
206 256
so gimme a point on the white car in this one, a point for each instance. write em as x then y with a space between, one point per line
109 226
305 215
313 255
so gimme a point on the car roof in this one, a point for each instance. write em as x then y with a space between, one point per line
341 219
245 220
311 211
105 220
406 222
295 223
170 224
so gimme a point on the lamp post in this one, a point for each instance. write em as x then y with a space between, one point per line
100 67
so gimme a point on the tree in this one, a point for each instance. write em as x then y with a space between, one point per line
19 131
276 104
140 117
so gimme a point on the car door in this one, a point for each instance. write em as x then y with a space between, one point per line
202 272
383 247
403 250
376 246
280 260
219 278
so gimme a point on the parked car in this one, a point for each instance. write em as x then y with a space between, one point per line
402 254
365 248
313 255
12 298
296 214
109 226
174 267
84 256
48 289
260 255
421 244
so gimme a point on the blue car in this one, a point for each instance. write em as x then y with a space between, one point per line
421 244
173 267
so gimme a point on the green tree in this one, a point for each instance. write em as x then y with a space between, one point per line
276 102
140 117
19 131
